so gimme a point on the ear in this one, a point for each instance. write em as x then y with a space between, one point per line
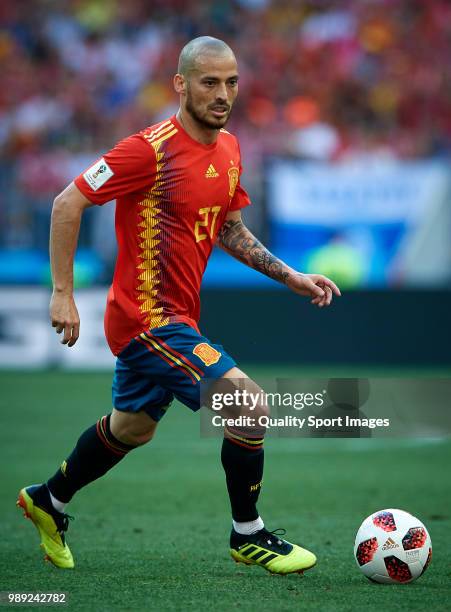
179 84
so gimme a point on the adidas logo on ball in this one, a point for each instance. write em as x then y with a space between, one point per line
390 544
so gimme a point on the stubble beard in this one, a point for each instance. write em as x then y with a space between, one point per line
202 121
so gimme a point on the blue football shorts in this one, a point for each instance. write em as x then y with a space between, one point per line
163 363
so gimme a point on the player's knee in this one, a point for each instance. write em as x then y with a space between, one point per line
261 410
139 439
135 438
132 429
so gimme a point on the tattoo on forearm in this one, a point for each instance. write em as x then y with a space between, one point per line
236 239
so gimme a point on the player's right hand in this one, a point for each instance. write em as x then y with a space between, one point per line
64 316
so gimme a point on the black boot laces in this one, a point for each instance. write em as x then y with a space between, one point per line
270 539
62 523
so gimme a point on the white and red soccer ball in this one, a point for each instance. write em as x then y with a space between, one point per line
392 546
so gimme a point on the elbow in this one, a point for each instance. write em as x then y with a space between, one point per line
59 203
65 207
61 210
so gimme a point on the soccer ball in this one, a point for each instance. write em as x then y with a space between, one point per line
392 546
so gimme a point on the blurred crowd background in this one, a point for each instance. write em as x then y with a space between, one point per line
322 81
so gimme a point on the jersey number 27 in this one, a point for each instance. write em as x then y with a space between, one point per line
208 220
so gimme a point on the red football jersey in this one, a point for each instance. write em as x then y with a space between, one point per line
172 195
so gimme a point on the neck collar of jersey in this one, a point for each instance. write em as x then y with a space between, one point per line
184 133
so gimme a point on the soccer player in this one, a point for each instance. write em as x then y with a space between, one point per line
178 192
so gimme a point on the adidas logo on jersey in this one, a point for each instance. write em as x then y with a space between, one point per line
211 172
390 544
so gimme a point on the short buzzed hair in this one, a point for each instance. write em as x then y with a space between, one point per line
198 46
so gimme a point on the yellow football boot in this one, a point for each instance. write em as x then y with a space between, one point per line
267 549
51 524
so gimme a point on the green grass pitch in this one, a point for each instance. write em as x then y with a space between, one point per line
153 534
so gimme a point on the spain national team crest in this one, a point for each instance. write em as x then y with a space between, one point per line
234 175
207 353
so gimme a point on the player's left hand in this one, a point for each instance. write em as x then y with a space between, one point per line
316 286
